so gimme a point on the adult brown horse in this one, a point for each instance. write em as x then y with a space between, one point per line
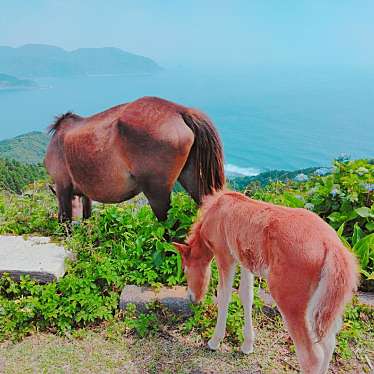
142 146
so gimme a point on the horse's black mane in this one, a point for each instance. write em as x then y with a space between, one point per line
58 120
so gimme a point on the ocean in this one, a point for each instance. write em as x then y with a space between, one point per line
268 118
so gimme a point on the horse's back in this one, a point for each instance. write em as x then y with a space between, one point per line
155 137
156 118
116 147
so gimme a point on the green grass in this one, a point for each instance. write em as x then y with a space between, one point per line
111 348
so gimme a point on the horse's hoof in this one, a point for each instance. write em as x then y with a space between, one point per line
247 348
213 345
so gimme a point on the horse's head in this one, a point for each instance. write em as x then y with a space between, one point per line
196 266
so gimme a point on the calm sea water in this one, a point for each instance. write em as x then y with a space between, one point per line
268 119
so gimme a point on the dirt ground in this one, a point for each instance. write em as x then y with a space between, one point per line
101 351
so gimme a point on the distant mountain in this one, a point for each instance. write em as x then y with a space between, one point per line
10 82
39 60
28 148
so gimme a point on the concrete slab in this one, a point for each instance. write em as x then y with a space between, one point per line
366 298
174 298
36 256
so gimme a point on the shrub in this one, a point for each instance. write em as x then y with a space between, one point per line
118 245
35 211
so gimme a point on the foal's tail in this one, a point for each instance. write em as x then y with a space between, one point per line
339 279
206 152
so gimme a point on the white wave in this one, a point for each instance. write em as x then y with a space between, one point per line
231 169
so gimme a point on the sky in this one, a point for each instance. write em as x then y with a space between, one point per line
230 34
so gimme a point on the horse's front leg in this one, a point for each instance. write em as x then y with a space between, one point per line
87 207
65 206
246 297
159 199
226 276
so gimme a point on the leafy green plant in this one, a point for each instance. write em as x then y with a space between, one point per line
143 324
204 315
356 328
33 212
119 245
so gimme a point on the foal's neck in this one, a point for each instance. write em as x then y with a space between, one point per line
199 248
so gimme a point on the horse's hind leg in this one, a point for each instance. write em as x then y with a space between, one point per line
64 197
87 207
189 179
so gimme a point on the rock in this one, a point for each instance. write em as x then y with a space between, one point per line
35 256
266 297
174 298
366 298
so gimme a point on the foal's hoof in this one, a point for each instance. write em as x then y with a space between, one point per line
213 345
247 348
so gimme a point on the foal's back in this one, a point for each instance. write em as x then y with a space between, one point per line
261 235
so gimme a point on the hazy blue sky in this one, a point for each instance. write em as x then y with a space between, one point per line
198 32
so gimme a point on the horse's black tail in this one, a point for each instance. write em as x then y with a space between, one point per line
206 152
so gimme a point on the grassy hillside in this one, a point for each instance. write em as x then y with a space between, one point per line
15 176
28 148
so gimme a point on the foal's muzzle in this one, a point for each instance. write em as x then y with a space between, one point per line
191 297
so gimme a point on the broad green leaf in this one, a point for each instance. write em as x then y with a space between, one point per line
345 242
157 258
363 211
337 217
341 229
370 226
364 249
357 234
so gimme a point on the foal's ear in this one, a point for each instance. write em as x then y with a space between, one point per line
183 249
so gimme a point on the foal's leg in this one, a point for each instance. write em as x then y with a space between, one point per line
87 207
293 305
226 277
246 297
311 355
328 344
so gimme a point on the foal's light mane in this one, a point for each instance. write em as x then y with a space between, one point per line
210 202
